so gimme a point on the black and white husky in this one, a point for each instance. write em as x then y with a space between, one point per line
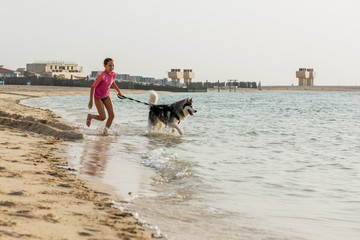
170 115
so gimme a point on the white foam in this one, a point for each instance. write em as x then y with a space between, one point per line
158 159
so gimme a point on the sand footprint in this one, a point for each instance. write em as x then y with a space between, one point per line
7 204
51 218
84 234
16 193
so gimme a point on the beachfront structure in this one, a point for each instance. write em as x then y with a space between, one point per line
146 80
56 69
188 76
24 73
125 78
4 72
176 75
306 76
20 72
161 82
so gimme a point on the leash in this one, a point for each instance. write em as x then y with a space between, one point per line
123 97
152 105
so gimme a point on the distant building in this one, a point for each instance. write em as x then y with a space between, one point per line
188 76
4 72
161 82
176 75
95 74
147 80
125 78
137 79
56 69
25 73
306 76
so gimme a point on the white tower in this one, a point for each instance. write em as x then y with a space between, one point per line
306 76
188 76
175 76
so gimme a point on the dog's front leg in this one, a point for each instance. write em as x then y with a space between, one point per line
173 125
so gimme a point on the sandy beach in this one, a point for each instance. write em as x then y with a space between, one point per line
40 198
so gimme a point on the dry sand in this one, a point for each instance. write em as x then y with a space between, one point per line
40 198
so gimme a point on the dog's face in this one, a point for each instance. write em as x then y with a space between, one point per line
189 107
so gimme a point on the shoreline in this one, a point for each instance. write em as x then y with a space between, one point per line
313 88
40 196
48 91
292 89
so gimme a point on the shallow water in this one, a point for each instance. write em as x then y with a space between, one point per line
251 165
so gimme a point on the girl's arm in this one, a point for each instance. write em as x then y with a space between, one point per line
117 89
92 90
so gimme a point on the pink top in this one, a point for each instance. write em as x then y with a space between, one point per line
103 83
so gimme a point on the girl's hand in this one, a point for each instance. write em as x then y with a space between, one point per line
120 94
90 105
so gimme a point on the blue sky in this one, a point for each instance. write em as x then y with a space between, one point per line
248 40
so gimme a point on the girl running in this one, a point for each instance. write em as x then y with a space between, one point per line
100 90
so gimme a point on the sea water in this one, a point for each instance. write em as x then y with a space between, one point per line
251 165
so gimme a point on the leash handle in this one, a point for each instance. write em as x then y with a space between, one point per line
122 97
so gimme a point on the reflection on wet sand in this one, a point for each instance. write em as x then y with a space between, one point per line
94 158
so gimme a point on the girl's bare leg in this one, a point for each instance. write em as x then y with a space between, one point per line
110 109
100 108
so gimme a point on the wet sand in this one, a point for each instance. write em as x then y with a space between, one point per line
40 197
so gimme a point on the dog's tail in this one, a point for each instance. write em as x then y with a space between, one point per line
153 98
